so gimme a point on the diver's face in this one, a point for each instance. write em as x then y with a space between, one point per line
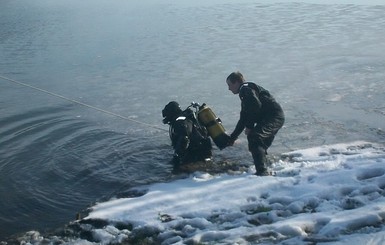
233 87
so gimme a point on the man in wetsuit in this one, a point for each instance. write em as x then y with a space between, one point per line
261 117
190 140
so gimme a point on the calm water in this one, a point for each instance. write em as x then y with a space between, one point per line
324 63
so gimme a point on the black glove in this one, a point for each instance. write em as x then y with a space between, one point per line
176 160
230 140
233 138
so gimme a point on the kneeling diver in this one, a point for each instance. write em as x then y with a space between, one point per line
189 139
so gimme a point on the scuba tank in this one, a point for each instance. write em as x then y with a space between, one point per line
214 126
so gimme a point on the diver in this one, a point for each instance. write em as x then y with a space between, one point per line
261 116
190 140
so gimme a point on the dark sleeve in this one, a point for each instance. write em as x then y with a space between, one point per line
250 110
238 129
181 137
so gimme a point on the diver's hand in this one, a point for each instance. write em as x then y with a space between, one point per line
247 131
231 140
176 160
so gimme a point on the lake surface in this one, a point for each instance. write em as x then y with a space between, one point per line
325 63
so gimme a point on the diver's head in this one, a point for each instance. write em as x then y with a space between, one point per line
171 111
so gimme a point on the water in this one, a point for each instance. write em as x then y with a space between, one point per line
324 62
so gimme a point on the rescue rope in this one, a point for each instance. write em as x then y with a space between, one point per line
81 103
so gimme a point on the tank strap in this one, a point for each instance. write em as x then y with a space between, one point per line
211 123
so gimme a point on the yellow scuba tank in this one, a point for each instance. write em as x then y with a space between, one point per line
214 126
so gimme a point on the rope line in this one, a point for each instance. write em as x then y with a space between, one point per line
81 103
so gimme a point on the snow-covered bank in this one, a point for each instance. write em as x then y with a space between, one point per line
325 195
328 194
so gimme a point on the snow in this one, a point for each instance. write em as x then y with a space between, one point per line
331 194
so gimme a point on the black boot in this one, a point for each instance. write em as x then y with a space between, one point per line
260 160
263 172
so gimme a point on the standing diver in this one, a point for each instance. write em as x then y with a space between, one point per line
261 117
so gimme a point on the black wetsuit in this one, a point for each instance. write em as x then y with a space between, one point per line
264 116
190 141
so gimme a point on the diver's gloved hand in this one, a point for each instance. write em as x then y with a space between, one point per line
176 160
231 141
